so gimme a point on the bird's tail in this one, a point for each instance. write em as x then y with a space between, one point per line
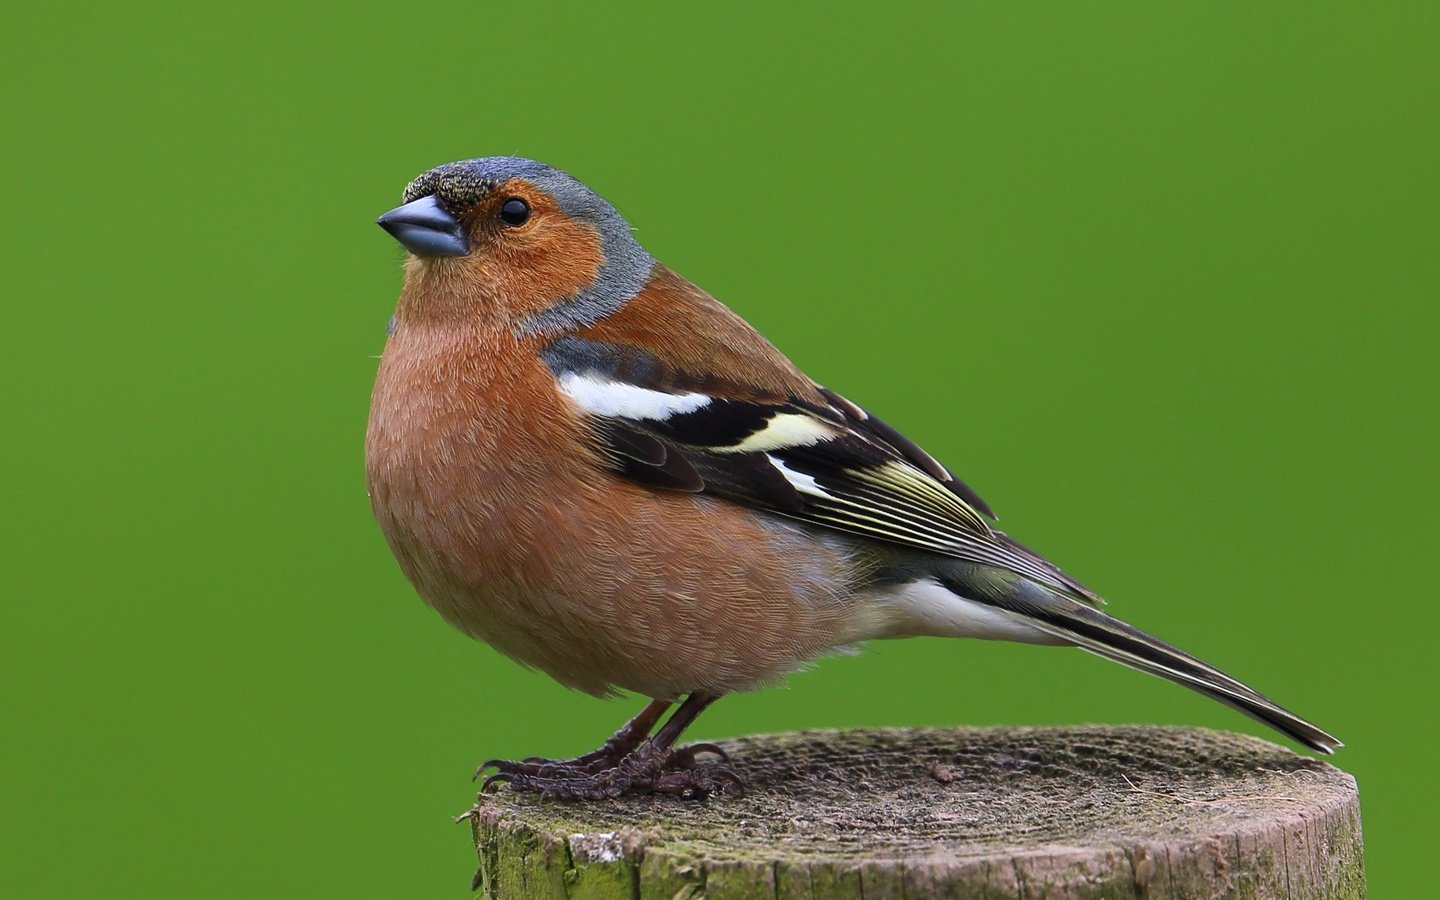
1090 629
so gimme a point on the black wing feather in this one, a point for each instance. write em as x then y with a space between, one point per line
646 458
831 464
862 420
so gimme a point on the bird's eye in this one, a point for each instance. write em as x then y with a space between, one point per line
514 211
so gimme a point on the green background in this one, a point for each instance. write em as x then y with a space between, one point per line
1156 280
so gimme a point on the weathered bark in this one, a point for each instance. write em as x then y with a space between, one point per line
966 812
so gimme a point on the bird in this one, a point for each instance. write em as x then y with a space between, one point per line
586 461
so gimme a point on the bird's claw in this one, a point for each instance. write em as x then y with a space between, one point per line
686 755
496 779
592 763
489 764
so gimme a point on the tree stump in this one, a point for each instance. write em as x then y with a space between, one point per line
1134 811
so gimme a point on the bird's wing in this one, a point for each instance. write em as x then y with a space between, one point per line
819 459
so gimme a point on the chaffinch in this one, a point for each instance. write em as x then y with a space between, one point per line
594 466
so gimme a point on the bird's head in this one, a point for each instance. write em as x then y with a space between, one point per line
517 241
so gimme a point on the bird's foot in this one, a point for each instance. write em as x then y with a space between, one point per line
608 756
647 769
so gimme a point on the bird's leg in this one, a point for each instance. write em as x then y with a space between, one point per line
655 766
688 712
609 754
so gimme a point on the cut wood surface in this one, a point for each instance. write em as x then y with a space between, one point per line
1133 811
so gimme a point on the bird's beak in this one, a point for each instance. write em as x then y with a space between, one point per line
425 229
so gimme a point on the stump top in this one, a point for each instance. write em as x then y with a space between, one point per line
971 796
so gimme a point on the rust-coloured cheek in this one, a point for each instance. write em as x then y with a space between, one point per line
536 270
509 276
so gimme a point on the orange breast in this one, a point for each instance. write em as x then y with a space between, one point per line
502 516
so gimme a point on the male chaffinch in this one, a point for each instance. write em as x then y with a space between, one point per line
594 466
